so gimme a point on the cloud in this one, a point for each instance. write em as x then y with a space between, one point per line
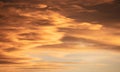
100 35
24 28
47 25
72 43
6 58
95 2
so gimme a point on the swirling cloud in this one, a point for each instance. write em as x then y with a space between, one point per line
58 28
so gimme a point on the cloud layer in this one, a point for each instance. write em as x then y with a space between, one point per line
63 25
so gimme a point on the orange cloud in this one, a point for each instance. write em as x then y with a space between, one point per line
30 31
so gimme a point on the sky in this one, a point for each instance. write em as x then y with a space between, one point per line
59 36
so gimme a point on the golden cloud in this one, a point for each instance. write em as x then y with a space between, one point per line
42 27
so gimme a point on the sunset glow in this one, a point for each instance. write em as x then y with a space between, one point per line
59 36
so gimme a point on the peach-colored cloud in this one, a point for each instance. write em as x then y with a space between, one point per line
30 31
26 29
104 35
